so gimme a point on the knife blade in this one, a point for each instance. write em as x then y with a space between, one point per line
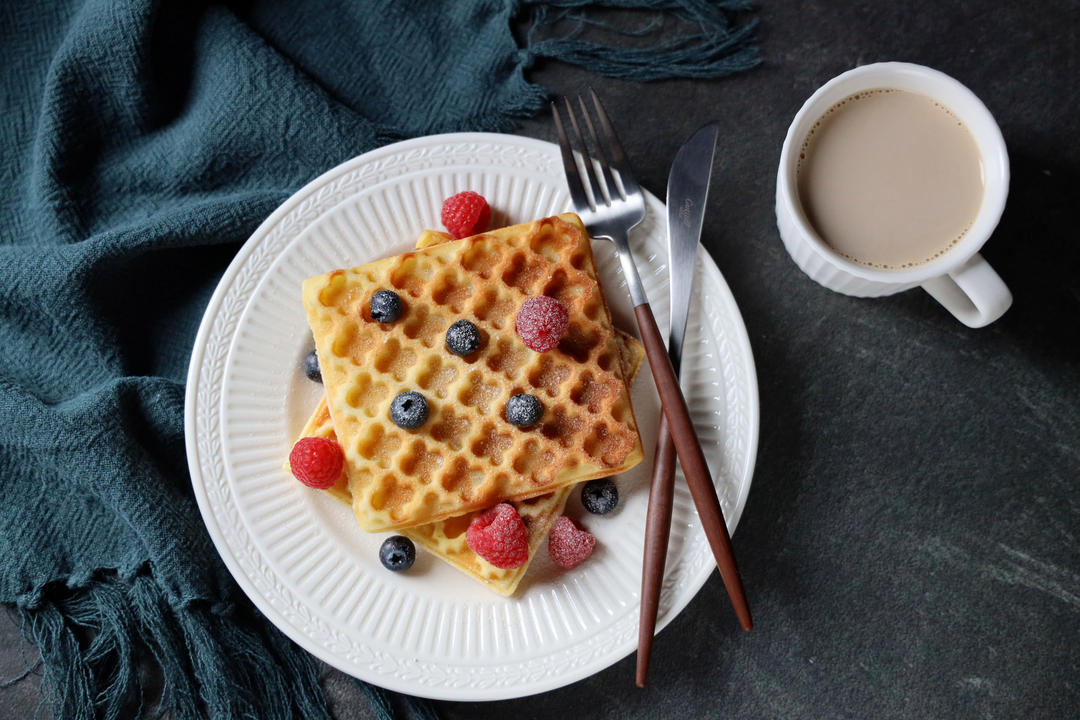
687 191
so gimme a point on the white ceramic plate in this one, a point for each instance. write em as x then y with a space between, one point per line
299 555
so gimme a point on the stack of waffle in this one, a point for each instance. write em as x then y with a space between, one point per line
430 482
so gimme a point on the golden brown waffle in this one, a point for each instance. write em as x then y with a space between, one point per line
467 457
446 538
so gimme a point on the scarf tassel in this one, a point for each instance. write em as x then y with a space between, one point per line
209 662
713 40
205 660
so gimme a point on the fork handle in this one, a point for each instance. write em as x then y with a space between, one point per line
694 466
657 529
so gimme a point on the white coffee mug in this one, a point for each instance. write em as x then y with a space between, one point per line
960 279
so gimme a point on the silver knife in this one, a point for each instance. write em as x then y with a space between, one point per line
687 190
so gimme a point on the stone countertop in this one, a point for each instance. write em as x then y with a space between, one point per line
909 546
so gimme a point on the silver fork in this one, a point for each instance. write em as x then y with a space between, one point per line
610 202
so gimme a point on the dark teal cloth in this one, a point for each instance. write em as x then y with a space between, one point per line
141 142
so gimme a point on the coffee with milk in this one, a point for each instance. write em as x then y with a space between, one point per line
890 179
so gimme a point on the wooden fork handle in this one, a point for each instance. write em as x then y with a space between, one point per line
657 529
693 461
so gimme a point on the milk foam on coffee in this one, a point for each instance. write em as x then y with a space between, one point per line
890 179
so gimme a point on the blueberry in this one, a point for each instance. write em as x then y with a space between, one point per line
409 410
397 553
523 410
311 367
462 338
600 496
385 306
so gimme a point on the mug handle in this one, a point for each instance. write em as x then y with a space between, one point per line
973 292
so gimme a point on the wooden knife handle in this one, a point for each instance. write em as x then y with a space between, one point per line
657 529
694 466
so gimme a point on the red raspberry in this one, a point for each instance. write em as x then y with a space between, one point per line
498 535
316 462
465 214
541 322
569 546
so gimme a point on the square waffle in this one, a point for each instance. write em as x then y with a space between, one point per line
466 457
446 538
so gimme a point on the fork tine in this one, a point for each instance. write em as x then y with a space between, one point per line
570 168
617 157
595 190
605 178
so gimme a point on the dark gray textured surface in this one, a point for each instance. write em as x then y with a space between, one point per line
910 542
